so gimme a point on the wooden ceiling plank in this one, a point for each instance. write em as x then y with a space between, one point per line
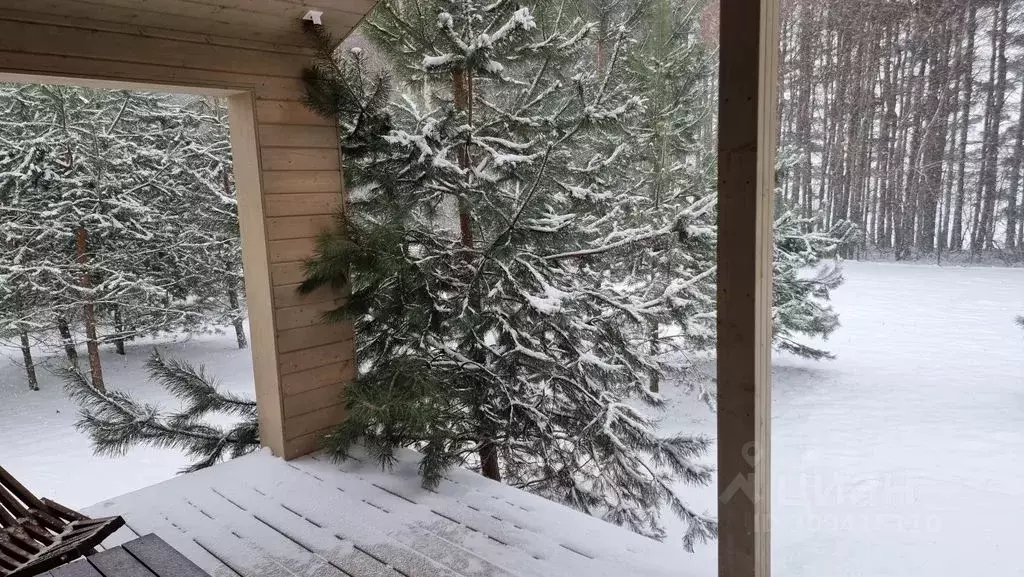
89 15
93 44
286 18
342 12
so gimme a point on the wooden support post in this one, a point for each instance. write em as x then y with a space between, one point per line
746 163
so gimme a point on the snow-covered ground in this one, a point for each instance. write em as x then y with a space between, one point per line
40 446
904 456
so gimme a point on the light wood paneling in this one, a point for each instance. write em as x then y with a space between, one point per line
314 357
257 271
318 159
288 273
331 374
315 421
288 182
305 315
309 401
313 336
289 112
289 227
287 159
292 250
289 296
302 204
299 136
266 21
746 188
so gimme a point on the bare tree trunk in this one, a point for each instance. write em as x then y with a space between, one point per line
26 355
1015 169
996 94
118 331
956 237
236 318
89 310
67 340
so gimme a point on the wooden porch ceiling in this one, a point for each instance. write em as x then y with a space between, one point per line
243 23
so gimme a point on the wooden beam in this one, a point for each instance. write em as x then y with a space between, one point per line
255 260
746 168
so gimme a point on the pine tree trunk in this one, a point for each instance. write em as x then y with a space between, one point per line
118 331
956 235
26 355
933 153
236 318
67 340
984 208
1015 174
462 91
89 310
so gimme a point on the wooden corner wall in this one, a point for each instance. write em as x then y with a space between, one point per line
748 96
288 169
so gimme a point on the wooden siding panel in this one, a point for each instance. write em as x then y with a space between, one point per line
289 112
288 273
315 378
317 159
297 249
305 315
309 401
299 136
313 336
318 420
315 357
289 296
289 227
302 204
291 182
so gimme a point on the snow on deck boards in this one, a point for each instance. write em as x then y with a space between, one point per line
259 516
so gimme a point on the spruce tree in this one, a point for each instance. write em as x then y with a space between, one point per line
482 244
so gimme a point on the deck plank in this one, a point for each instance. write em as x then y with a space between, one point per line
161 558
117 562
319 539
377 531
80 568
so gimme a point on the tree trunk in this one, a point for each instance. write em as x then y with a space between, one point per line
67 340
462 91
984 211
1015 169
956 235
118 331
89 310
26 355
236 319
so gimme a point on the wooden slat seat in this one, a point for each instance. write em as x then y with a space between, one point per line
37 535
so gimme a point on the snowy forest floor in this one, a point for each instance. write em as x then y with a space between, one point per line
902 456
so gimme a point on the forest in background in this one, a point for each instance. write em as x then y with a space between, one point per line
906 118
117 220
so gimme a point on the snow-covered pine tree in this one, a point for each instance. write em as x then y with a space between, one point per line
115 422
199 203
25 170
493 330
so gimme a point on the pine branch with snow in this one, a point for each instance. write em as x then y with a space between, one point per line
116 422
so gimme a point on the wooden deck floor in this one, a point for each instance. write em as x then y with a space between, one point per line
259 516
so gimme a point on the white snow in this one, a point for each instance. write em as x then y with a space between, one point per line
901 457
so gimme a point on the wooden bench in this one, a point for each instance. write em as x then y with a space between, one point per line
37 535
